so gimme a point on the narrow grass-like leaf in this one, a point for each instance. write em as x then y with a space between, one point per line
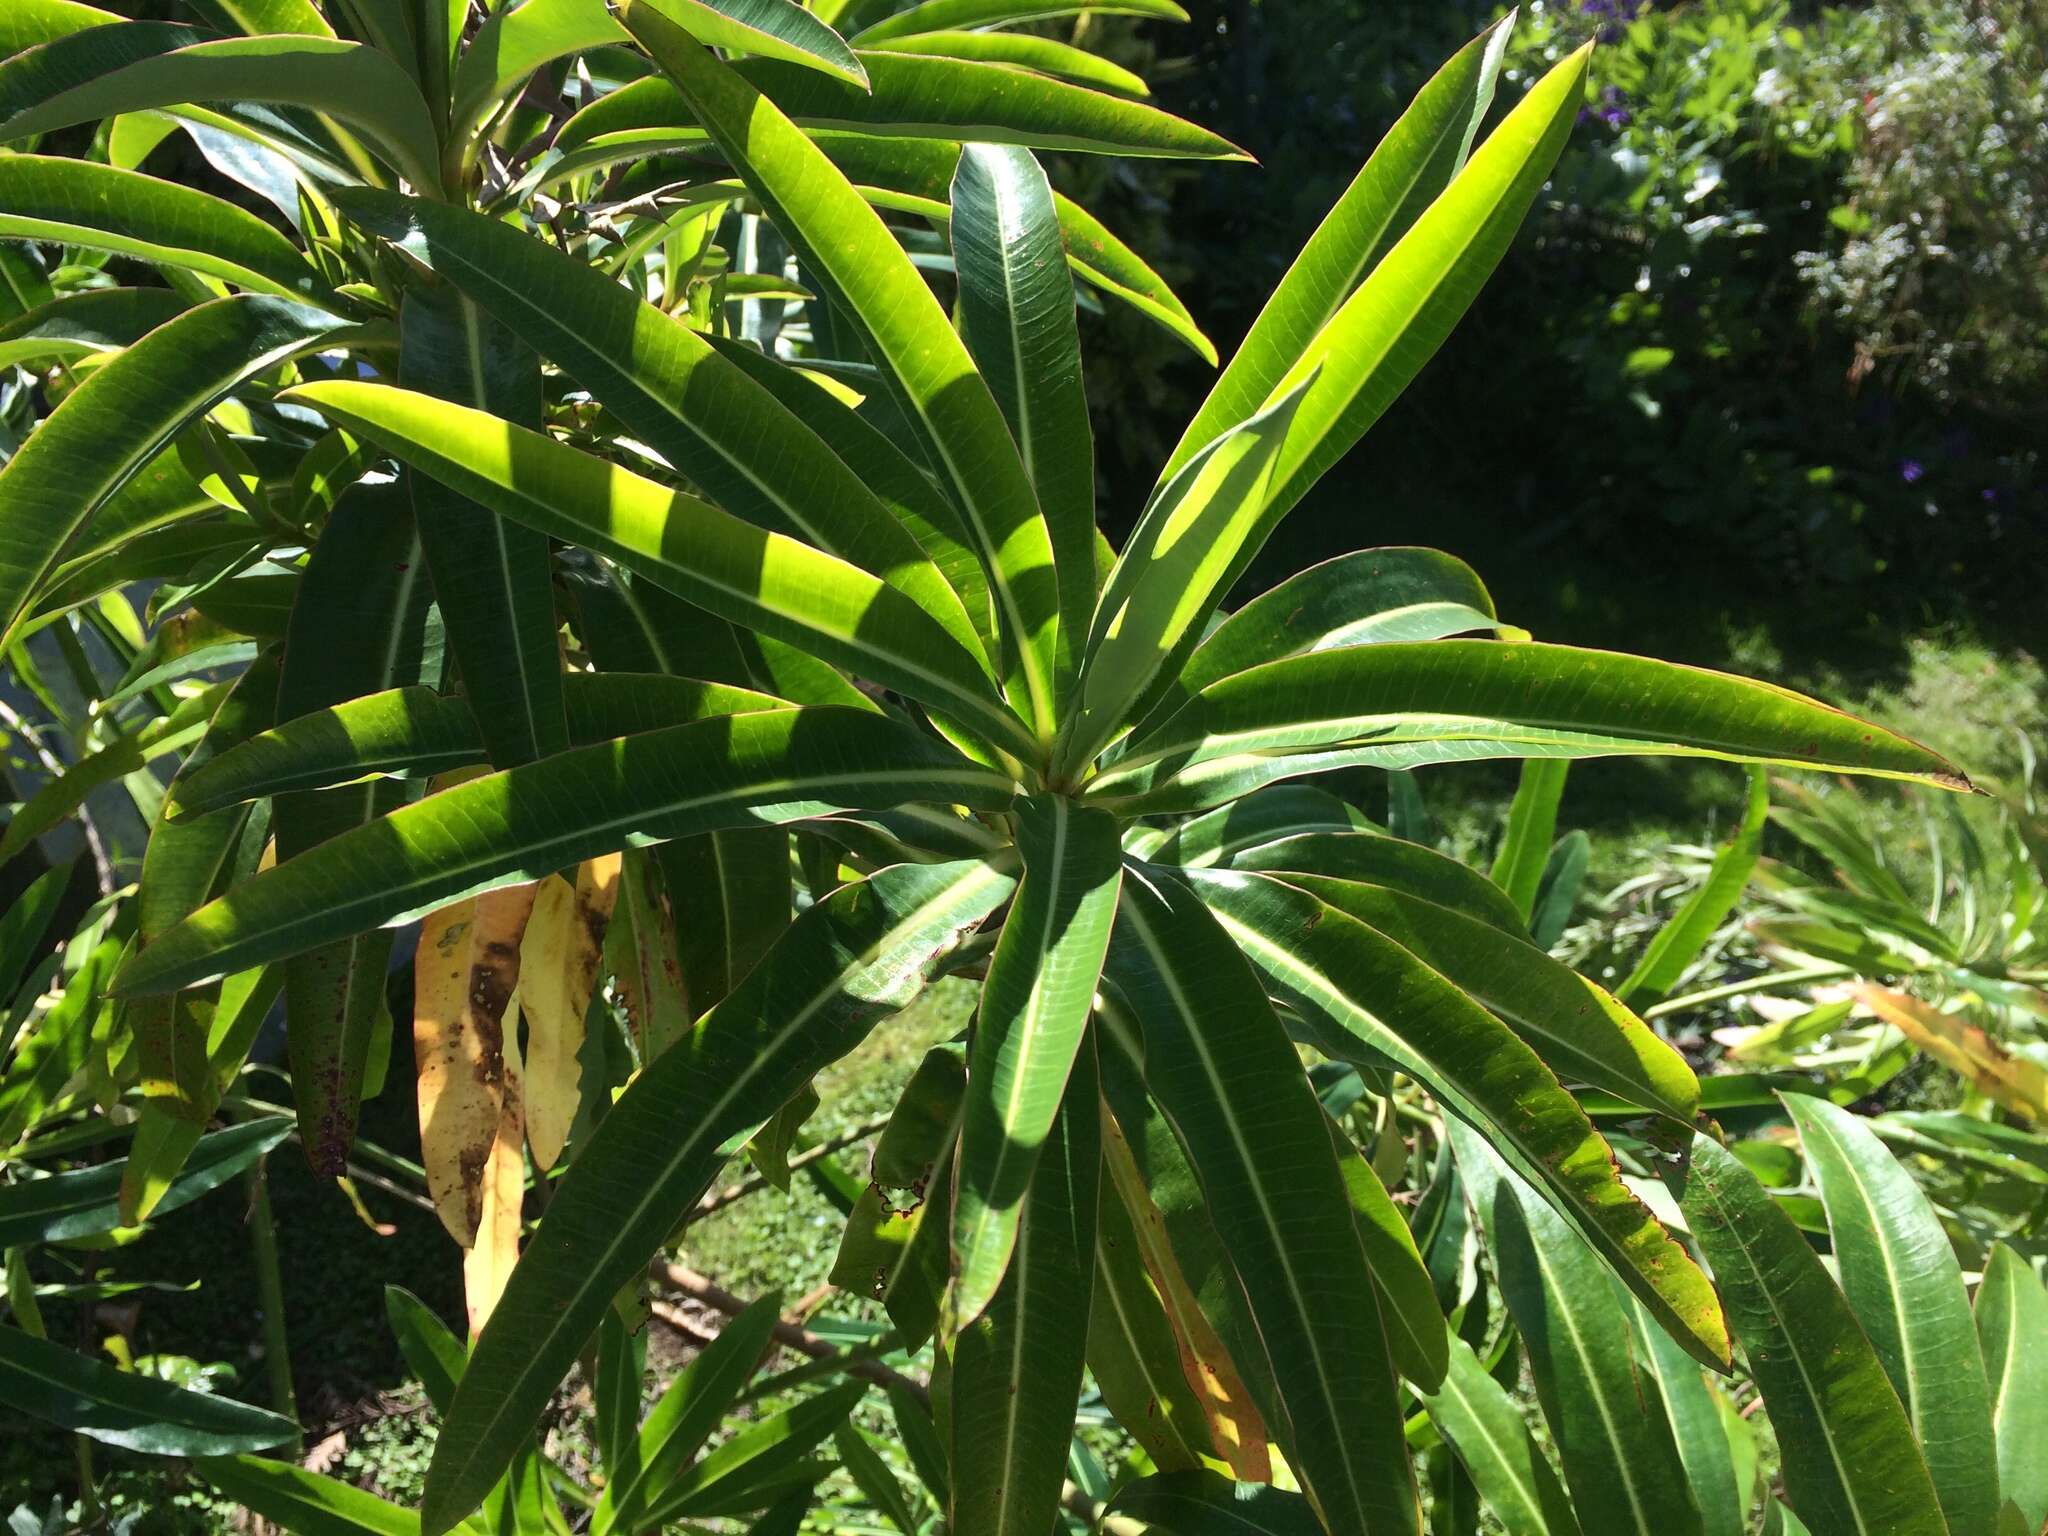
1851 1463
2012 1332
1405 706
1034 1008
140 1413
843 244
121 417
1531 829
1903 1282
762 580
860 954
1226 1075
1620 1460
1372 1001
1413 164
1679 942
523 823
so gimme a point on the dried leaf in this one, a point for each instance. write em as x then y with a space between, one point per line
2013 1081
558 965
1235 1428
464 1037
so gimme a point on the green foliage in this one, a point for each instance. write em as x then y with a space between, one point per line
649 537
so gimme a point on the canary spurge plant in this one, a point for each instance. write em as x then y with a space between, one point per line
598 459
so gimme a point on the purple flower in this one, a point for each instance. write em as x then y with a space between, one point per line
1911 470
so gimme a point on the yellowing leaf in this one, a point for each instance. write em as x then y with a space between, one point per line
2013 1081
501 1197
1235 1428
558 963
464 1038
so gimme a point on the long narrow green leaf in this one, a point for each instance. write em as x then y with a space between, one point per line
1475 1414
677 1426
527 822
757 1466
885 469
1405 706
703 409
1373 597
1016 309
1047 56
1205 1504
360 624
307 1502
1170 575
2012 1331
86 1201
1227 1076
1375 858
141 1413
919 173
1377 1002
1367 353
1034 1008
513 42
83 324
1532 827
1414 1324
1679 942
860 954
1413 164
26 923
632 625
842 243
75 202
419 733
28 22
1620 1460
1903 1282
101 72
121 417
1016 1368
493 578
1851 1463
765 581
916 96
1700 1419
1224 835
933 15
768 29
1582 1033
